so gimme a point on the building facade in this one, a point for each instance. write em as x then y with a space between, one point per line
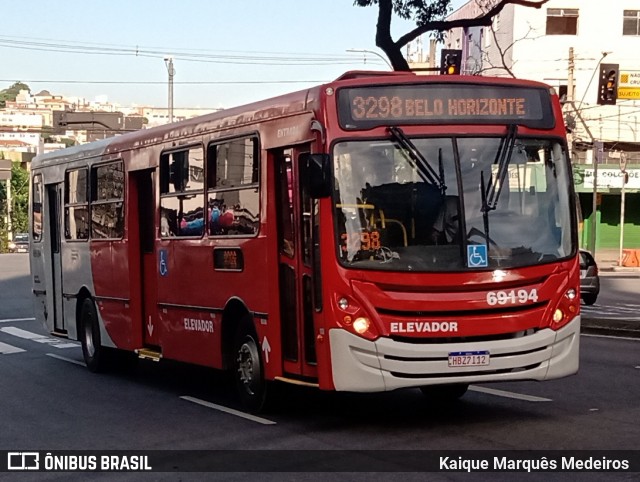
565 44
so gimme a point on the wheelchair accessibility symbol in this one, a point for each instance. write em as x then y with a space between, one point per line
162 262
477 256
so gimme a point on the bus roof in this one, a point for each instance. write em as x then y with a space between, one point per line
281 106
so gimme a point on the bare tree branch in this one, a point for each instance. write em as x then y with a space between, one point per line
425 11
484 20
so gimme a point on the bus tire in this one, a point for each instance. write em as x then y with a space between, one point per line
95 355
248 368
445 393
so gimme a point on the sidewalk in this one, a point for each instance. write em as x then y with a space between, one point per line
608 260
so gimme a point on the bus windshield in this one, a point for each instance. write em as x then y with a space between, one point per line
451 204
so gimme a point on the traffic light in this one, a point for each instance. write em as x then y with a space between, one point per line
608 85
450 61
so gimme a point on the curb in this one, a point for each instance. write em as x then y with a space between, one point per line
615 267
610 327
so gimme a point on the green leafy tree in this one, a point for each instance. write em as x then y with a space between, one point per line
429 16
19 198
11 93
19 204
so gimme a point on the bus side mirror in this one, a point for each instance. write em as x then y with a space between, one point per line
318 178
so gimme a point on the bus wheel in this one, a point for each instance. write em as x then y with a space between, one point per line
445 393
92 350
249 377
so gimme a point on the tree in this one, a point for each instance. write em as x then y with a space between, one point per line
429 17
11 93
19 203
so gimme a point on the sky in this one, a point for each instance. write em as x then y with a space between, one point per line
225 52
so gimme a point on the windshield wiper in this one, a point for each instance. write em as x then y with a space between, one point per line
503 158
425 171
490 194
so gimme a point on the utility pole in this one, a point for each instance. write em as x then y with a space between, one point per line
169 63
598 152
623 171
570 93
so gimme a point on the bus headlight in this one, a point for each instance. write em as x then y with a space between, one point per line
558 315
567 309
361 325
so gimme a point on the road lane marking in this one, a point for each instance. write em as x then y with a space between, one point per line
12 330
64 358
611 337
13 320
7 349
230 411
504 393
27 335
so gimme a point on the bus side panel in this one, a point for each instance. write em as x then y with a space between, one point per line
110 265
187 297
192 294
76 274
191 336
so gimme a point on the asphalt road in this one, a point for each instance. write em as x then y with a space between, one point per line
617 309
50 401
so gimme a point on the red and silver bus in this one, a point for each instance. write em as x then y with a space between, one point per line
378 232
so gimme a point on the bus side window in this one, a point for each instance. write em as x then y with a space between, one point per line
182 211
36 202
76 208
233 196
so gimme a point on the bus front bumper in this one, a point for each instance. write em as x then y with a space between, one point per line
361 365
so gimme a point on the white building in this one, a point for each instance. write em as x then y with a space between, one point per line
574 39
20 131
536 44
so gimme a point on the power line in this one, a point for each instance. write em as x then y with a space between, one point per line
161 48
188 55
159 82
614 116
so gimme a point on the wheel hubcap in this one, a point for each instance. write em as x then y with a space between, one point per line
248 366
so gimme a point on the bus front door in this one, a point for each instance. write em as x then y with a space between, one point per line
295 267
53 222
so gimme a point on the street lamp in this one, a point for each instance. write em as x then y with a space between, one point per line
372 52
168 61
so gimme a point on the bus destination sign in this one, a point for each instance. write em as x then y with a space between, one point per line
368 107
